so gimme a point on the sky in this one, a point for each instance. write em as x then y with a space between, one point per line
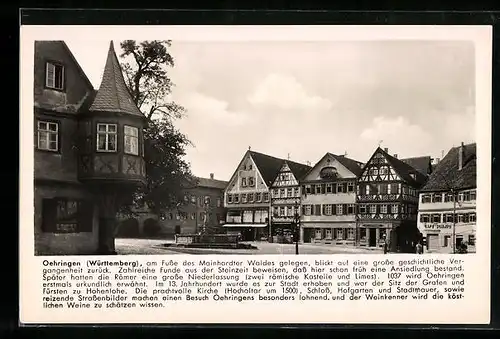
303 99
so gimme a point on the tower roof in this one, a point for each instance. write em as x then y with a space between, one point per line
113 95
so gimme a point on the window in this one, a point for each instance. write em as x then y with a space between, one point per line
243 198
106 137
236 198
250 166
307 209
328 188
276 211
341 188
289 193
243 182
448 218
48 136
382 189
394 189
318 234
340 233
373 209
395 208
131 140
436 218
289 211
467 196
472 195
54 76
383 209
266 197
328 234
362 209
229 198
318 189
258 197
426 198
193 216
328 209
186 198
282 193
367 189
350 187
350 209
424 218
250 197
339 209
296 192
351 233
472 217
308 189
276 193
448 197
250 181
437 197
67 215
282 211
472 240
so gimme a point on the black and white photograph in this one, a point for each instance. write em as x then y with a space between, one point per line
254 147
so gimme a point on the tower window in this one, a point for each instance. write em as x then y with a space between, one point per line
106 137
131 140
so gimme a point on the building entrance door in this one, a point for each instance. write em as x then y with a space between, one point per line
432 242
247 234
373 237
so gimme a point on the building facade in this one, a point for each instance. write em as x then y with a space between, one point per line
387 196
88 149
247 196
447 203
285 200
329 201
201 211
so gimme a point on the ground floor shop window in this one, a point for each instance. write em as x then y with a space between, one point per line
362 233
351 234
66 215
317 234
340 234
472 240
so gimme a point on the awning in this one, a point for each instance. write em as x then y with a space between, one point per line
246 225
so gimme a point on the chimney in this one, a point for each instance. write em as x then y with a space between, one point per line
211 175
436 161
386 150
461 156
395 156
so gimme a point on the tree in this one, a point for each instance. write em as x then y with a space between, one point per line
145 65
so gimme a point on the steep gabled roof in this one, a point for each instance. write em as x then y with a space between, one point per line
352 165
268 166
421 164
403 169
446 174
113 94
298 170
212 183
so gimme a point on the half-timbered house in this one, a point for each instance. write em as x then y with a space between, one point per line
328 201
88 150
285 199
387 196
247 196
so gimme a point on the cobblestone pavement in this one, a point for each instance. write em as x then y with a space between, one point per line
152 246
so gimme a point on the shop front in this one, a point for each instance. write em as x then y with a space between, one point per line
374 235
329 233
439 236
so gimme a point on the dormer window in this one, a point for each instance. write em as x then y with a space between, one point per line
106 137
131 140
54 76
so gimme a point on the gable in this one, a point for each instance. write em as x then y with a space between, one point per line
285 177
248 171
328 163
379 169
76 86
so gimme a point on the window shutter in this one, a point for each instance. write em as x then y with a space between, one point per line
322 188
323 207
85 216
318 209
334 209
303 210
49 214
344 208
313 212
